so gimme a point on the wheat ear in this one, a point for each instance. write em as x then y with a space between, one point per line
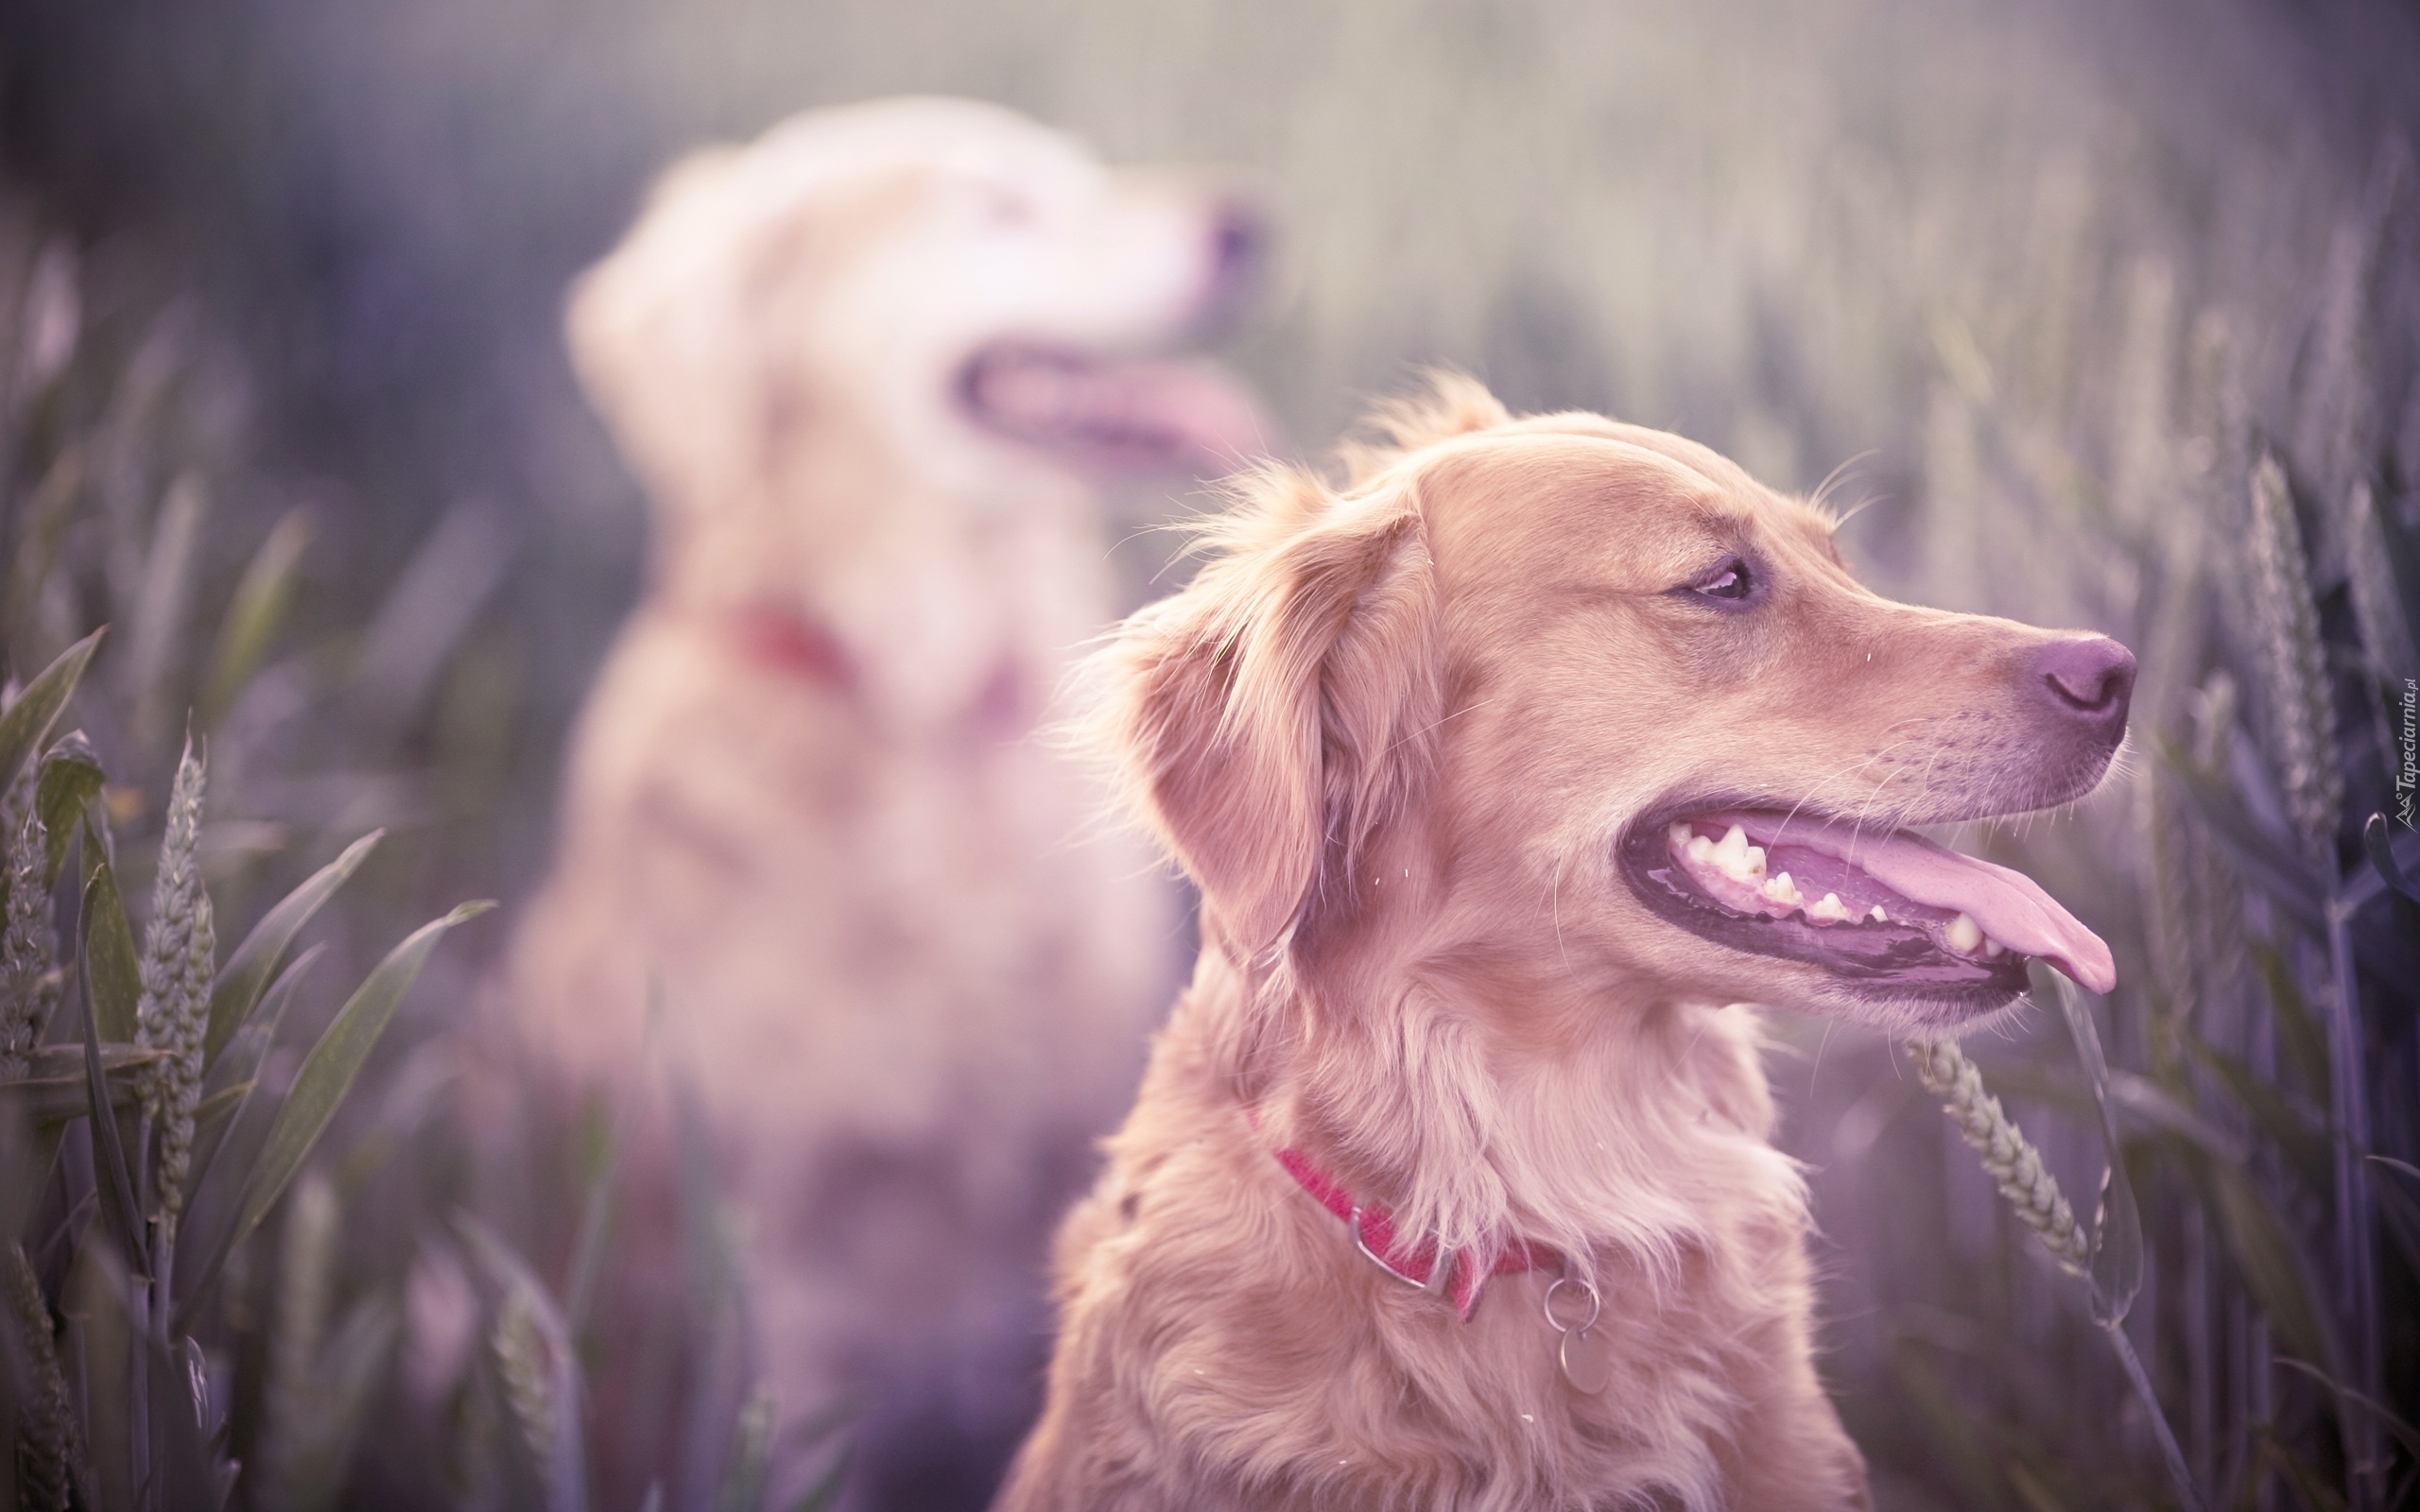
180 952
2006 1154
521 1361
47 1423
29 950
2292 662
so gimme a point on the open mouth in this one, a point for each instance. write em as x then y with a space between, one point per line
1890 911
1099 411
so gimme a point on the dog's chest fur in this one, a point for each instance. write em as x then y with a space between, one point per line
1235 1350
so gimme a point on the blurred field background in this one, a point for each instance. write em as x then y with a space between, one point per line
2111 311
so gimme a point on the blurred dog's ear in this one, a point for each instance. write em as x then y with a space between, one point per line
1272 715
651 328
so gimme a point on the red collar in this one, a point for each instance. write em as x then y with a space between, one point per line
1466 1272
788 643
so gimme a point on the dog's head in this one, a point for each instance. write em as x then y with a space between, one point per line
968 292
1574 691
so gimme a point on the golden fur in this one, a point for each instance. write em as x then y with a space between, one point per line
907 986
1392 730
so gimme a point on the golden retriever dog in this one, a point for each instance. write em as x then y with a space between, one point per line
869 368
1504 771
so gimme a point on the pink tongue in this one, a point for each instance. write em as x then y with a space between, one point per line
1183 414
2011 906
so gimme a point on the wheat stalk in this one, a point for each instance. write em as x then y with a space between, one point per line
178 956
2006 1154
2378 609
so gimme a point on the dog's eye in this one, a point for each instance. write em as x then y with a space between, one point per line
1732 580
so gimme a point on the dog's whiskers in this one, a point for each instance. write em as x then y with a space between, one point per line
1815 500
1847 770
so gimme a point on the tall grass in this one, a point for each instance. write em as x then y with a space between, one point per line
145 1131
236 1232
2252 869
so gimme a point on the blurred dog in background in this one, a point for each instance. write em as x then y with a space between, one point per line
869 368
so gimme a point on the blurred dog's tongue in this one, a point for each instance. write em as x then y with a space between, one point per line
1133 412
2011 906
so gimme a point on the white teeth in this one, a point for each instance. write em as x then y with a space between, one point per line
1698 849
1993 947
1782 890
1831 910
1879 916
1963 934
1681 835
1735 858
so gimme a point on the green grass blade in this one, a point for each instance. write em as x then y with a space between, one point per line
2302 1043
344 1383
833 1423
320 1086
212 1205
2266 861
2117 1267
2273 1268
597 1209
255 613
246 974
2399 1203
825 1493
2273 1113
71 779
237 1071
328 1070
28 1157
109 1152
2188 1494
23 724
751 1455
2377 842
48 1100
221 1104
2314 1491
65 1061
112 978
2404 1433
244 1053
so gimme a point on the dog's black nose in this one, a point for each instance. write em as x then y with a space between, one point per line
2089 680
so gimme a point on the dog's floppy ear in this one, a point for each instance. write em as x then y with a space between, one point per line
1273 714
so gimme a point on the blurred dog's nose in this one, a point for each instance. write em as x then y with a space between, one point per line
2090 680
1238 239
